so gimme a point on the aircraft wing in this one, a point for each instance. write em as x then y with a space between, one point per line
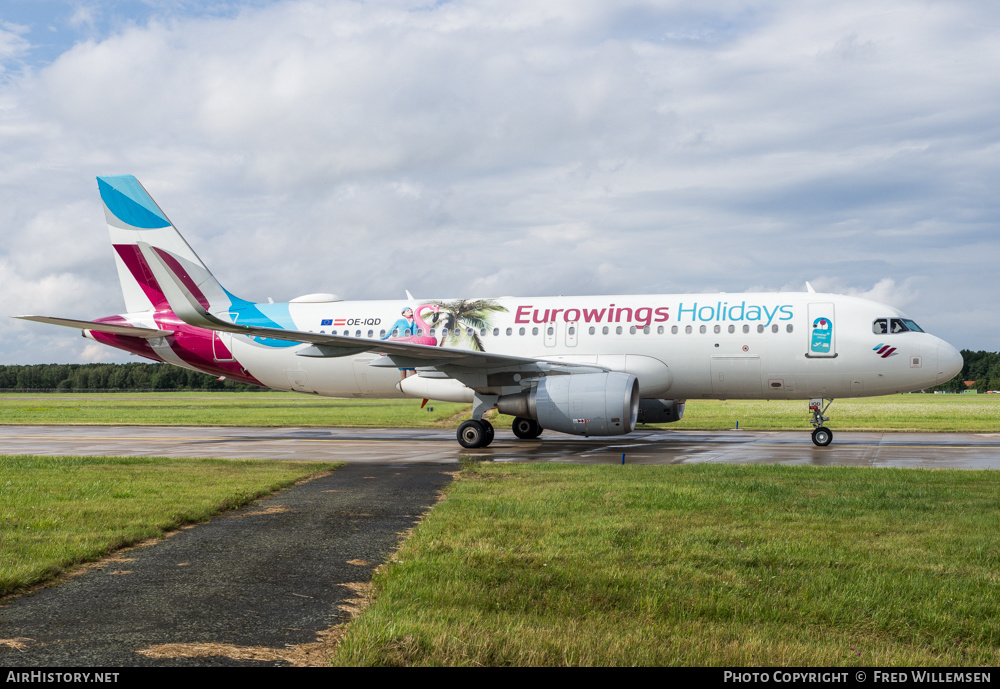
114 328
193 311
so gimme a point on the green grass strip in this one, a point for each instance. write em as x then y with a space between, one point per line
221 409
694 565
56 512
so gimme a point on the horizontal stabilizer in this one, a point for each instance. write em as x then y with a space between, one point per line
113 328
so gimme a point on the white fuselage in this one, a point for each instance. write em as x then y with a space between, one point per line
749 346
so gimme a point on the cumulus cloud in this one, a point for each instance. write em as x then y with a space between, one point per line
486 148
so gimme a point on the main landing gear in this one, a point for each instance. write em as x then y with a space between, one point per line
477 432
821 435
526 429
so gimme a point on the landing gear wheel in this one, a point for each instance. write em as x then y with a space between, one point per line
474 433
822 436
526 429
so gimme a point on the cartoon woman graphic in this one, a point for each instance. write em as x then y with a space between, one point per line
412 328
404 327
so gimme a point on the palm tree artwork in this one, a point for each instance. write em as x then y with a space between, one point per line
460 315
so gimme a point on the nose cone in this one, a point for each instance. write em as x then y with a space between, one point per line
949 362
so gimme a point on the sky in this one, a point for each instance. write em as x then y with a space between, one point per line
486 149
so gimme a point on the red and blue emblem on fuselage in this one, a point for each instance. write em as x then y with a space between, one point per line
884 350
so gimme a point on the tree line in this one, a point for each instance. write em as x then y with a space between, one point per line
133 377
981 367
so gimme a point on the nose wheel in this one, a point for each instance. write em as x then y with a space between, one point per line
821 435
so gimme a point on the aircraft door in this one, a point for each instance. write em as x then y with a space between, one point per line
822 333
222 346
222 343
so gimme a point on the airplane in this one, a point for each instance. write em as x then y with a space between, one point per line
583 365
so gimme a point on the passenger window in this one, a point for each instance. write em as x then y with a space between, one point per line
631 330
703 329
645 331
572 330
496 331
510 331
420 332
788 328
381 333
371 333
534 331
659 330
760 328
604 330
732 329
718 329
618 330
774 328
673 330
520 331
593 330
357 334
746 328
687 329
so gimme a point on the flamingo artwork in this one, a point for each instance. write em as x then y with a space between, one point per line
419 327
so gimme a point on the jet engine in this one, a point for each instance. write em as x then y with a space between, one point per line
581 404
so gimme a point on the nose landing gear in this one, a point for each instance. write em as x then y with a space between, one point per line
821 435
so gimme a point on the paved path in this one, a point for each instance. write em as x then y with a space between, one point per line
257 586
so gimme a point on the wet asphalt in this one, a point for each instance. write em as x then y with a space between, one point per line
274 575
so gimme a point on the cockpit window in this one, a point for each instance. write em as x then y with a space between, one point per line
881 326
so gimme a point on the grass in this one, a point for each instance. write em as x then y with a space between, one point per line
956 413
58 512
694 565
221 409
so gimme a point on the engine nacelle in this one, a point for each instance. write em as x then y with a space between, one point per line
660 411
581 404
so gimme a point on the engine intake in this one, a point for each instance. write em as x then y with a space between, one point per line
581 404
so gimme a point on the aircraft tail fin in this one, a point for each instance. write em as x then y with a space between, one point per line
134 220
